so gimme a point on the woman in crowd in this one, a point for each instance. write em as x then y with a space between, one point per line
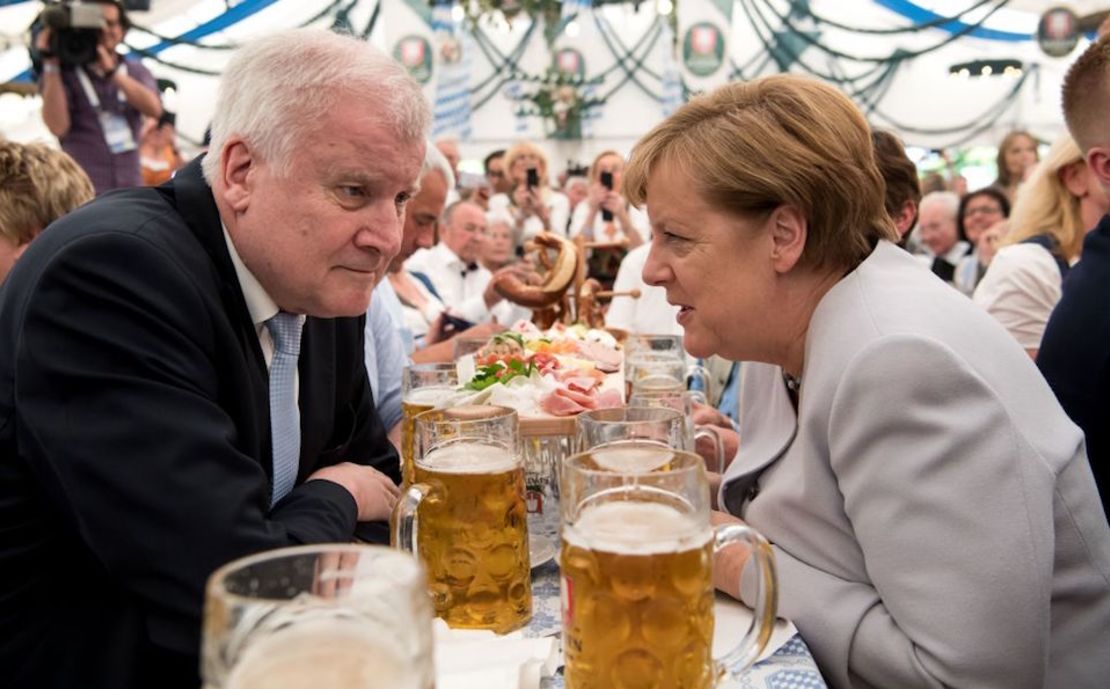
625 223
1059 204
979 211
533 205
1017 154
930 506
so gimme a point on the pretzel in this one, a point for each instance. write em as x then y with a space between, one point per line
555 282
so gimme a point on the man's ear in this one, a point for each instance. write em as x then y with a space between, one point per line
1098 159
789 229
237 168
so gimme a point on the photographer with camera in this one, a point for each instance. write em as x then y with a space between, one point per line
93 99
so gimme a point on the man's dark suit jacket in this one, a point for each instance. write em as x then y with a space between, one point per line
1075 351
135 439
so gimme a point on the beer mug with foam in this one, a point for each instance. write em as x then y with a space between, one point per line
465 515
637 567
666 427
336 616
656 370
682 401
423 387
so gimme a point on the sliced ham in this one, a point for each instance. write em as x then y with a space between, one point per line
581 383
609 399
606 359
560 405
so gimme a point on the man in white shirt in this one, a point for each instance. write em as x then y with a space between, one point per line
452 266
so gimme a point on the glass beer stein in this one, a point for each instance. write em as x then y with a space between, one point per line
682 401
665 370
423 387
465 515
619 425
336 616
637 585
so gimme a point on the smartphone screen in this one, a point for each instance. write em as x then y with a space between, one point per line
607 182
533 178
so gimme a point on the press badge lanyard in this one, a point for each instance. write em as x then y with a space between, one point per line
116 130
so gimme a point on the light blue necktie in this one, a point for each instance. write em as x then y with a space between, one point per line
285 420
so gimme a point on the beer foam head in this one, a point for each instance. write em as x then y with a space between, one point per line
469 458
634 457
433 395
633 527
327 652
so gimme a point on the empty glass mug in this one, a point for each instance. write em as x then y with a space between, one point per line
637 565
465 515
336 616
665 370
682 401
621 425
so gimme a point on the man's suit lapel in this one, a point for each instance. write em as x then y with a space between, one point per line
194 202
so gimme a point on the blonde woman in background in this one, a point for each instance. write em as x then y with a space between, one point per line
1056 208
38 185
533 205
1017 154
626 223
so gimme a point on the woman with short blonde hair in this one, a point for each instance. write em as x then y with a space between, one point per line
534 206
897 444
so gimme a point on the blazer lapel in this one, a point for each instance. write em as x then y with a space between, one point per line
317 370
193 200
768 426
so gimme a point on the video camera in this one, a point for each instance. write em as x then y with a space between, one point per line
74 32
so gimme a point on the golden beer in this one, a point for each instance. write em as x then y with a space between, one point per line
416 402
637 598
473 536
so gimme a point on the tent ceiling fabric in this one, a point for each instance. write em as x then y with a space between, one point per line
917 99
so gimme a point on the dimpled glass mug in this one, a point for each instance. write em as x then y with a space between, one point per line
637 567
338 616
465 515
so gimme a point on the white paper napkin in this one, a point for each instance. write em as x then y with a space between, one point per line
475 659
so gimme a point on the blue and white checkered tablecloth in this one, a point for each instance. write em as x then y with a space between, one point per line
791 666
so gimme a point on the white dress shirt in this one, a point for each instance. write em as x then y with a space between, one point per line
261 307
650 314
558 212
460 287
637 217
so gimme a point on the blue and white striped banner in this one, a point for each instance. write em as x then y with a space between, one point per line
672 96
455 46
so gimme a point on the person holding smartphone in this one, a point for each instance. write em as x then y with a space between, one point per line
532 203
605 216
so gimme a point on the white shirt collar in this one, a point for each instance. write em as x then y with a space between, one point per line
449 257
260 305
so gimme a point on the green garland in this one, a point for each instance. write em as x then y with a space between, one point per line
559 101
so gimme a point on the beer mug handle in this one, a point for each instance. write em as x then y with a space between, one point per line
718 445
404 518
766 595
700 373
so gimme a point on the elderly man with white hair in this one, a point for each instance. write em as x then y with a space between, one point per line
938 233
